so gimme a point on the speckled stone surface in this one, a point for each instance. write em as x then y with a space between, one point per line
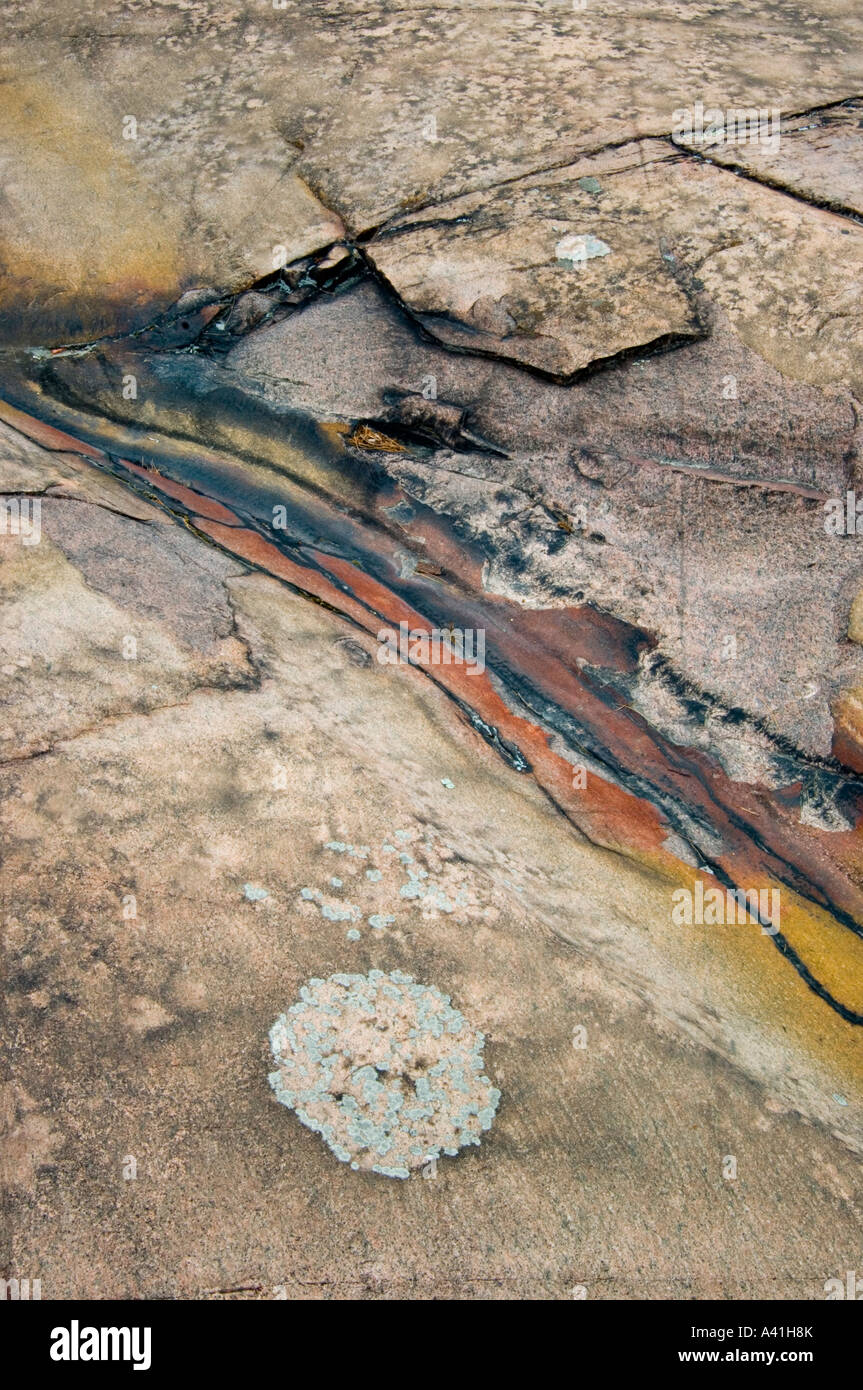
553 272
571 378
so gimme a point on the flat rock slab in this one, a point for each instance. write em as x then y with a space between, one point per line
99 233
468 96
140 616
555 272
786 274
819 156
256 127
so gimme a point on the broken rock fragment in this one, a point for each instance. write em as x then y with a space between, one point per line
555 272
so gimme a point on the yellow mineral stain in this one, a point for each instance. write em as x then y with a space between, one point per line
832 952
743 973
82 235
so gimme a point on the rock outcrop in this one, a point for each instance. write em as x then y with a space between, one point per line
430 548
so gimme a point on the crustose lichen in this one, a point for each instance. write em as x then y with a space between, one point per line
384 1069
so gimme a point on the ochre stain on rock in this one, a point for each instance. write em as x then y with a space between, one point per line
81 236
558 656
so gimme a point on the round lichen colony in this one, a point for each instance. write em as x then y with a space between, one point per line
384 1069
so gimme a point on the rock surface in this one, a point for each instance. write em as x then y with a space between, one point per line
257 128
554 272
818 157
426 318
229 786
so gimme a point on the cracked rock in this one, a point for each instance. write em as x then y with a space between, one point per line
554 272
819 157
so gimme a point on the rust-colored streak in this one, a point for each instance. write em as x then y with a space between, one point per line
202 506
47 435
607 813
761 839
557 669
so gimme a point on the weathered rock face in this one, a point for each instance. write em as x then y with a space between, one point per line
717 408
520 273
152 148
132 174
430 330
144 977
554 272
684 493
818 157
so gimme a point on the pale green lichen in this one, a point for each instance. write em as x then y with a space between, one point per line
253 894
354 851
430 893
574 250
382 1068
334 912
379 920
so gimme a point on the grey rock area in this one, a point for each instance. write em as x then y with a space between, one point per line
694 515
444 285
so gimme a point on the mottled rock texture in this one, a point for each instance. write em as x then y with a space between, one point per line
145 1036
818 157
553 272
256 127
316 321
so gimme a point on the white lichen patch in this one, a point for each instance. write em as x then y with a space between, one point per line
413 876
333 911
386 1070
574 250
253 894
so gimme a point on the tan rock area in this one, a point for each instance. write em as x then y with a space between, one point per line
554 272
431 675
787 275
244 113
136 957
818 157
